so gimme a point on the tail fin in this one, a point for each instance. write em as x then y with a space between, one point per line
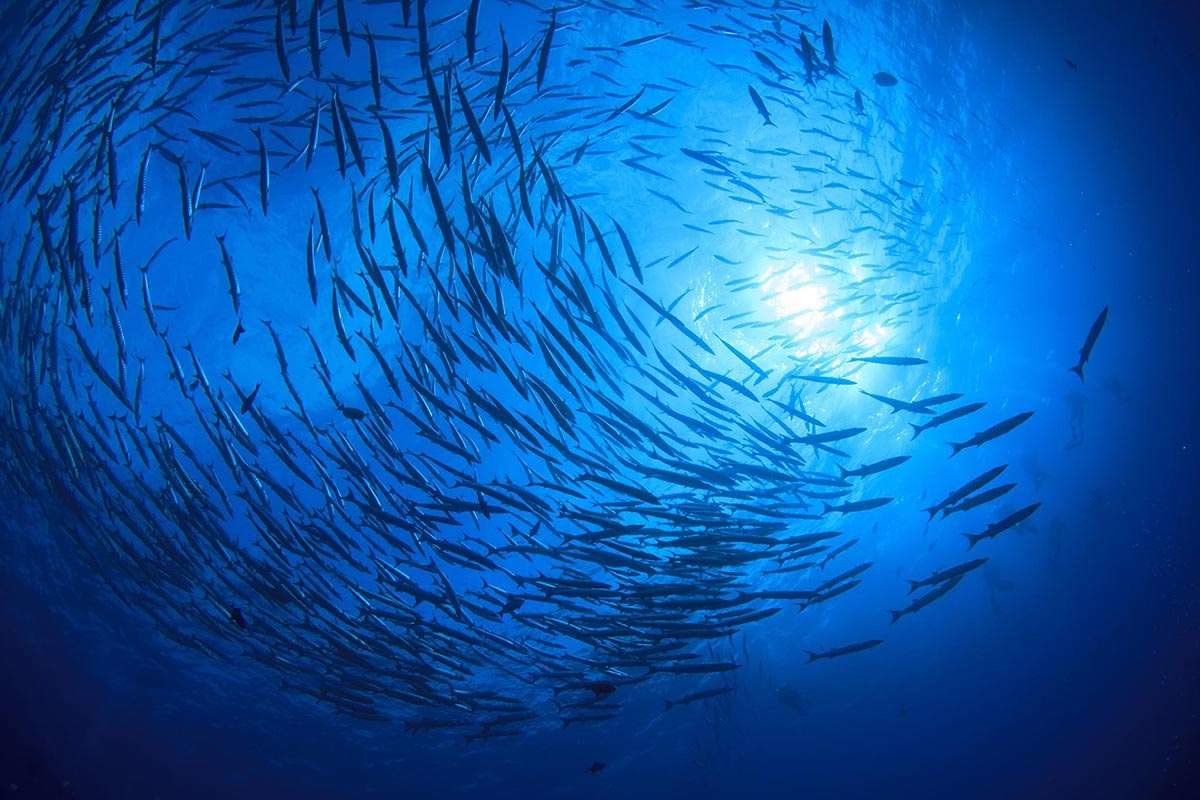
811 656
896 615
913 586
948 511
1078 370
845 472
956 447
917 429
932 511
972 539
828 509
667 705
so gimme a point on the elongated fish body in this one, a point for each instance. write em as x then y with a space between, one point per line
938 591
994 432
827 43
968 488
949 416
949 573
873 468
844 650
975 501
760 106
1085 352
858 505
996 528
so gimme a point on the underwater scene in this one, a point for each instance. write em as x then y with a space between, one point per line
599 399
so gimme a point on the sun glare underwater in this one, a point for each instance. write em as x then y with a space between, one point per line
599 398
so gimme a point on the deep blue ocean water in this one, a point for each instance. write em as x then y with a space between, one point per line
1034 163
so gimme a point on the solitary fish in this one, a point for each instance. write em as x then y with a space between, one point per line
1085 352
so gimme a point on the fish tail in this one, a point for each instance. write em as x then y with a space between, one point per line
811 656
845 472
1078 370
828 509
912 586
956 448
667 705
917 429
896 615
972 539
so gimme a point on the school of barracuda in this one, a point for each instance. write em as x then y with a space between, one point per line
512 458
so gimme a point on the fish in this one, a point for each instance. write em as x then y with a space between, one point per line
1085 352
885 79
472 27
873 468
891 361
996 528
948 416
974 501
844 650
264 172
544 51
949 573
281 46
704 694
857 505
900 405
502 78
989 434
809 58
968 488
760 106
827 43
920 602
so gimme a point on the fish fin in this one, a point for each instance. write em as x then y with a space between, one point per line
896 615
932 511
828 509
913 586
811 656
1078 370
972 539
956 448
845 472
667 705
917 429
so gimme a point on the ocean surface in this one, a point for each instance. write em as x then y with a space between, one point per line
596 399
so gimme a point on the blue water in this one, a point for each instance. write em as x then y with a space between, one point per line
1020 196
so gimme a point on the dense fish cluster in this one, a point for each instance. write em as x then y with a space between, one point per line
470 363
